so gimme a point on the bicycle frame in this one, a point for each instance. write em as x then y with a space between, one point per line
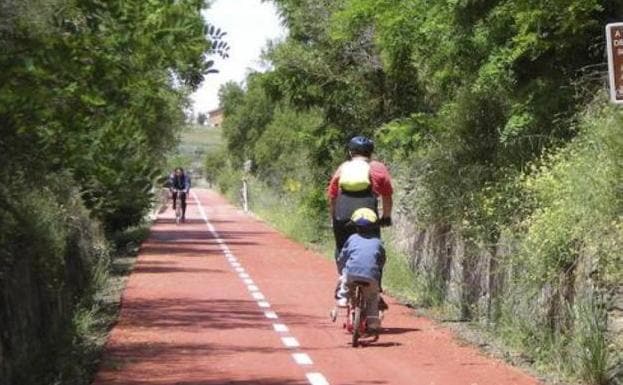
356 321
356 314
178 205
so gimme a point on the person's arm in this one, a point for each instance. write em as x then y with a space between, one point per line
343 257
187 184
170 182
388 203
382 258
332 191
382 186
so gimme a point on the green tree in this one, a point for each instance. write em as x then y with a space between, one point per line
465 99
92 93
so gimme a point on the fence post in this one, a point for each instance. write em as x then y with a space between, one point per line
248 165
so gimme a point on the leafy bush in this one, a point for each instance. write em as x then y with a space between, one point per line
91 98
567 247
485 113
215 164
63 258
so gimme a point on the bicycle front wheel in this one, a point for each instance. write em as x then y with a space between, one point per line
356 328
178 213
357 318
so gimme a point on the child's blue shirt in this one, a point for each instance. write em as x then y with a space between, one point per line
363 257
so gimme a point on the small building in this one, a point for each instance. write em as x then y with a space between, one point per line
216 117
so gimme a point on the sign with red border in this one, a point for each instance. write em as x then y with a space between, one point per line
614 38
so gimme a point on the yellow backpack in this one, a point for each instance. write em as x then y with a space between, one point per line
355 175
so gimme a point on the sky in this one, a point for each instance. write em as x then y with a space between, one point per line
249 25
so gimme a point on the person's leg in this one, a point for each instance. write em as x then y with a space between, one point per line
382 304
342 292
341 232
183 198
174 195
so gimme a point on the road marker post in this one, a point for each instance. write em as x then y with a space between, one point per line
614 46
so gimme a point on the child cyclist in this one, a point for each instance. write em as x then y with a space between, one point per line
362 259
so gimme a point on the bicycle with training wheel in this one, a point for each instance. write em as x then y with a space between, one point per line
356 321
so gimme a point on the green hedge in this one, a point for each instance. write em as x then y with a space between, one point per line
53 258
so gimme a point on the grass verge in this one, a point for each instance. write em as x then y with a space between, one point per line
92 322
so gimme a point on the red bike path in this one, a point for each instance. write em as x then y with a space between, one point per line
235 302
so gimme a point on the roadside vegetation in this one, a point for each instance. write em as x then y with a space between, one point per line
196 142
506 156
91 98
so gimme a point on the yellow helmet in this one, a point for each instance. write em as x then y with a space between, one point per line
364 217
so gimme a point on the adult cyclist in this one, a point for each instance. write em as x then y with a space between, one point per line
359 182
179 182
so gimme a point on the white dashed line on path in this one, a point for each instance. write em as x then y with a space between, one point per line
263 304
290 342
270 315
257 295
317 379
302 359
280 328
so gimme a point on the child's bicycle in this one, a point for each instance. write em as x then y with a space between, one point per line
355 321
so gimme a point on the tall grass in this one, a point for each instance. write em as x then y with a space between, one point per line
398 279
570 239
289 216
591 347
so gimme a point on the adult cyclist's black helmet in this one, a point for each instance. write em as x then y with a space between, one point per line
361 145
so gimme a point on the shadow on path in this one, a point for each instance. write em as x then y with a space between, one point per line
390 331
180 313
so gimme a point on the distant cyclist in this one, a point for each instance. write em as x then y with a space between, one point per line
179 182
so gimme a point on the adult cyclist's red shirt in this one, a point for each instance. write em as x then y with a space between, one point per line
379 177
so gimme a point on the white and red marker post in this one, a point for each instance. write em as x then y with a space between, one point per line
614 45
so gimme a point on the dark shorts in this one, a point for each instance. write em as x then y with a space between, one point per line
345 206
347 203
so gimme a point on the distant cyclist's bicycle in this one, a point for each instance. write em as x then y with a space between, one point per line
355 321
177 196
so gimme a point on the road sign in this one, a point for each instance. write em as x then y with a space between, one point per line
614 38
